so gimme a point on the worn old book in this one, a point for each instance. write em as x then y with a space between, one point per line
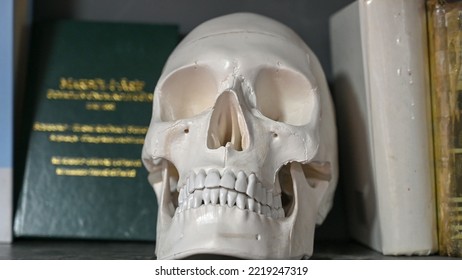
90 90
445 41
6 120
382 99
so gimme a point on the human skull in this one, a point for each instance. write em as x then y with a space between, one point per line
241 148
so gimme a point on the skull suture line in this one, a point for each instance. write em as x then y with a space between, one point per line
241 148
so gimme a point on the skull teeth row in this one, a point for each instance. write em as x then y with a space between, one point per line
229 190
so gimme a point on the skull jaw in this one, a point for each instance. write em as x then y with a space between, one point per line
222 230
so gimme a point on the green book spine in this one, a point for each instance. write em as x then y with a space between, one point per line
90 93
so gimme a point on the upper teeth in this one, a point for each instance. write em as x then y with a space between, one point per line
242 191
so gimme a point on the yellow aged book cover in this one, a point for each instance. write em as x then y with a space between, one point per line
445 39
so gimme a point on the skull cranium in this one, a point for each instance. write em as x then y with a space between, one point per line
241 148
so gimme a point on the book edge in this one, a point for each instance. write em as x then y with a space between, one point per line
387 240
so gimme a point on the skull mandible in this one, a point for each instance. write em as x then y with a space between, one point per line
241 149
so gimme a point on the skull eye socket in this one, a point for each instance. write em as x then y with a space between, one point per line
285 96
187 93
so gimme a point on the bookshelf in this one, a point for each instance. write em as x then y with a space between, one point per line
97 250
309 18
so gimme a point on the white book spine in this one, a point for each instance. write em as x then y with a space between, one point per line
380 64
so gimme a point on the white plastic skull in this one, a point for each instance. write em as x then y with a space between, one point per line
241 148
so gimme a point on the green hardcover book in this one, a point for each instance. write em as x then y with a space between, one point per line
91 84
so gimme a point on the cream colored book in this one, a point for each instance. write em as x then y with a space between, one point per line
382 98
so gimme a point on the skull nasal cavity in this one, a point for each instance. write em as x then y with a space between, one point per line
227 125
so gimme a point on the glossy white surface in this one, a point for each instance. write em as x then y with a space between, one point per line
239 98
